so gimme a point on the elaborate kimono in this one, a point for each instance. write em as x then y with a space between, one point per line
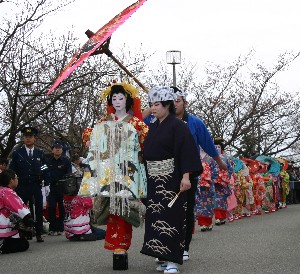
204 208
238 181
114 156
170 151
259 191
231 201
221 180
285 186
247 191
268 202
119 176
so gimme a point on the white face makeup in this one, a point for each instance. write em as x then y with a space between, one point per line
119 101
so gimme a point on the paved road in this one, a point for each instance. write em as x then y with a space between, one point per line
260 244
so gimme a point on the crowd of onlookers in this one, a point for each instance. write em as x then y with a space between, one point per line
41 204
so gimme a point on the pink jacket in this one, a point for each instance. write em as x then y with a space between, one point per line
77 219
10 203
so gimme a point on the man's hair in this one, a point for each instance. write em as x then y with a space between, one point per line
6 176
3 161
120 89
171 106
170 103
75 157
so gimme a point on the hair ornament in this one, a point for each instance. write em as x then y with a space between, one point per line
129 88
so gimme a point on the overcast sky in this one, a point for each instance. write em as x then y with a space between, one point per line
204 31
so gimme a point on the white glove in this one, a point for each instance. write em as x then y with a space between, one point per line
47 191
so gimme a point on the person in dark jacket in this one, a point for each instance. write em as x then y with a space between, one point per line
29 164
59 166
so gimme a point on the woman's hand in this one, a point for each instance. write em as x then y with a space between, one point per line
185 182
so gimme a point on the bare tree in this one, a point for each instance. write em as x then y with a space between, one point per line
248 109
243 104
29 68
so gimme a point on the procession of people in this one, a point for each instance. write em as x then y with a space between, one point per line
160 167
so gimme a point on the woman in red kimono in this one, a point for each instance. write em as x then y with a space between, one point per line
119 177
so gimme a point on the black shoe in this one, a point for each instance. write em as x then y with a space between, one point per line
88 237
74 238
39 239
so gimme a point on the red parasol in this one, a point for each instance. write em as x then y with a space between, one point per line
96 41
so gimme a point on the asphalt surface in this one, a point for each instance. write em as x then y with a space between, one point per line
269 243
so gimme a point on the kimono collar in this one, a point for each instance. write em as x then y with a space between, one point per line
185 116
112 117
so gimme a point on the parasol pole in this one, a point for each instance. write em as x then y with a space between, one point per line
104 48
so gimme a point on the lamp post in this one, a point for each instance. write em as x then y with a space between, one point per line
174 58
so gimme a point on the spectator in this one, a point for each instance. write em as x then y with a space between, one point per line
77 168
77 222
3 164
58 166
29 164
12 204
76 148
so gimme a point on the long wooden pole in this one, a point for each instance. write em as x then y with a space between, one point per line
104 48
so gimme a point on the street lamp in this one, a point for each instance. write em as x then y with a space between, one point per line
174 58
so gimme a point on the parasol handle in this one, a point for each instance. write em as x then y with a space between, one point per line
104 49
109 54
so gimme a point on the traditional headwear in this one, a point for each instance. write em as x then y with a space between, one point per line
179 92
134 94
160 94
284 163
57 143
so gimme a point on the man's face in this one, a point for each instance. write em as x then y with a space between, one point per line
2 167
180 105
28 140
119 101
14 183
57 151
